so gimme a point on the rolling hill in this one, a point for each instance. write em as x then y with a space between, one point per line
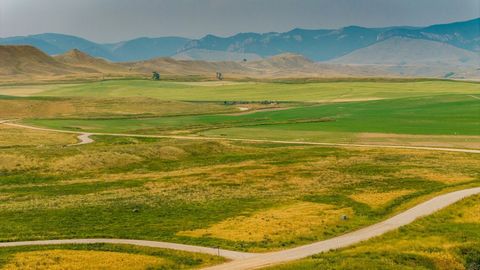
411 52
80 59
146 48
215 56
20 63
29 61
133 50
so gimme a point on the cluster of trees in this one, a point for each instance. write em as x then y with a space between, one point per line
155 76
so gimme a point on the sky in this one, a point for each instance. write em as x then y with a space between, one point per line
117 20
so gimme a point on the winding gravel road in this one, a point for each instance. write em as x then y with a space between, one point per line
444 149
423 209
244 261
83 139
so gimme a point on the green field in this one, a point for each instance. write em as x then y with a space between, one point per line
308 92
246 196
347 112
449 239
439 115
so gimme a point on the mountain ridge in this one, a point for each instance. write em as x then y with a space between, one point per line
315 44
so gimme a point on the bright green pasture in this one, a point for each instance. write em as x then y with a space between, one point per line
437 115
256 91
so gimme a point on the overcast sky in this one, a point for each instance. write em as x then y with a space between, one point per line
116 20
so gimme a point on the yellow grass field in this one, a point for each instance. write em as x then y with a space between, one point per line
291 221
376 199
81 260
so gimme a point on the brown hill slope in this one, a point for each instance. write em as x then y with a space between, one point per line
19 63
171 66
30 61
80 59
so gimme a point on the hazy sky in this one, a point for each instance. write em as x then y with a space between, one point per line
115 20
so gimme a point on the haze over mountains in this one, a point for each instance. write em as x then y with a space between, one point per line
441 51
317 45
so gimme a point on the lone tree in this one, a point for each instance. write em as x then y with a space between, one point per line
155 76
219 76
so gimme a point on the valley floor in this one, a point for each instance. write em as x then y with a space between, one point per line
246 195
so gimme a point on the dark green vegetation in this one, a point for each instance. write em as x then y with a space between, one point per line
449 239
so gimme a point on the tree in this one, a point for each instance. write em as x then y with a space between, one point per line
219 76
155 76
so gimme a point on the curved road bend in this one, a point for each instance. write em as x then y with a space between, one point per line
83 139
244 261
232 255
474 151
348 239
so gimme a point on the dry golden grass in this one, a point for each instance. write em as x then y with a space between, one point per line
419 140
81 260
9 162
430 175
378 199
29 90
12 136
470 214
283 223
103 107
88 162
443 260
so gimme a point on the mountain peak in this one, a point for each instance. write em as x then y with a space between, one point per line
75 55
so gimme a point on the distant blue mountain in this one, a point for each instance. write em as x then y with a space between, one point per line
133 50
146 48
322 45
318 45
314 44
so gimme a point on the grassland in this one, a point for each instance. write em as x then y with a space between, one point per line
430 113
198 192
100 256
449 240
307 92
236 195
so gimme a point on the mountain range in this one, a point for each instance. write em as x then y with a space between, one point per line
317 45
27 63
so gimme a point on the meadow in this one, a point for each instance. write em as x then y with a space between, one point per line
100 256
246 196
449 239
421 113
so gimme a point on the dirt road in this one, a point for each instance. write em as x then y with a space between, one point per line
474 151
83 139
346 240
243 261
